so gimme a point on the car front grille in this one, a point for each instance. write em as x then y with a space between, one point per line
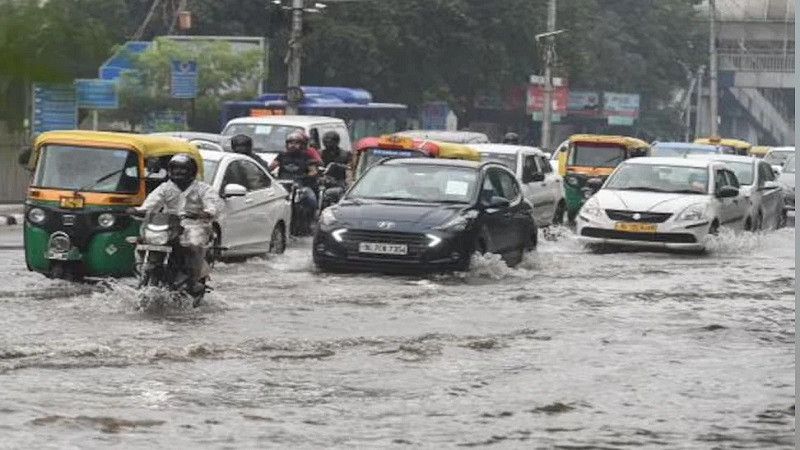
669 238
644 217
416 242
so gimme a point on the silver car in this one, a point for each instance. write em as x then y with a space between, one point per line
786 181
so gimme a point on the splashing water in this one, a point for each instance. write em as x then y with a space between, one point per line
729 242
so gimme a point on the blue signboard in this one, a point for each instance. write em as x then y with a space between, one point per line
54 107
122 59
164 121
183 79
96 94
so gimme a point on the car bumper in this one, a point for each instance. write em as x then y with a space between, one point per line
668 235
452 253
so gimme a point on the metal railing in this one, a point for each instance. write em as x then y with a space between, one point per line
752 62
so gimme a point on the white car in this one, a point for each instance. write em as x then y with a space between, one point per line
257 213
777 157
269 132
663 202
760 188
541 186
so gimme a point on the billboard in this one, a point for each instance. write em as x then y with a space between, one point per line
619 104
584 103
536 99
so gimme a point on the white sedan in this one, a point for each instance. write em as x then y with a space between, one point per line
760 188
663 202
257 212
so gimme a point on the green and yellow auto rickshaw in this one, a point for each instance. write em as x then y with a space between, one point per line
82 182
586 160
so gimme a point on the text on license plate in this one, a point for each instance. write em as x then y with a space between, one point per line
383 249
635 227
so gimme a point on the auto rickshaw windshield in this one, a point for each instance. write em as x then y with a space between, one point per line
90 169
596 155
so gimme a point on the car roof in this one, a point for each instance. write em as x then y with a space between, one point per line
192 135
459 137
781 149
299 121
685 145
725 158
504 149
434 162
679 162
216 156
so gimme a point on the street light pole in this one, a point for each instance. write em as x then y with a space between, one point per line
712 68
295 53
547 107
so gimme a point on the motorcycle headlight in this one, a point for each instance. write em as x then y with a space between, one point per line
36 215
106 220
327 218
156 237
693 213
458 223
592 208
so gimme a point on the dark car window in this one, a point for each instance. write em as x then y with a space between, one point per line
530 165
732 180
765 173
544 164
501 184
255 178
234 174
719 180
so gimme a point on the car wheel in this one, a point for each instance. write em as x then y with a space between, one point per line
534 238
782 219
277 242
558 218
713 230
759 223
748 224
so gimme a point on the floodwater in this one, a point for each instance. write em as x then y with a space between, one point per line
570 350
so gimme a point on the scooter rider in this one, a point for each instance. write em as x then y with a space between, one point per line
297 163
243 144
182 194
332 153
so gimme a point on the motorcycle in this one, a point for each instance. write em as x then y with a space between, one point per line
160 260
332 187
302 215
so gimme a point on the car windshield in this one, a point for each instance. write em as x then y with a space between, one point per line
419 183
659 178
743 171
90 169
509 161
777 158
681 152
789 166
372 156
266 137
209 170
596 155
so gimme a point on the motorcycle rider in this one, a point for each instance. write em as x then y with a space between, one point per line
183 194
297 163
243 144
511 138
332 153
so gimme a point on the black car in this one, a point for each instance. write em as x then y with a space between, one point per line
428 215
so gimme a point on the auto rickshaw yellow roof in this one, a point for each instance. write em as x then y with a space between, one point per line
627 141
146 145
760 150
735 143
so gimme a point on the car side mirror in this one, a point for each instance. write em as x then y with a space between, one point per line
727 192
499 202
234 190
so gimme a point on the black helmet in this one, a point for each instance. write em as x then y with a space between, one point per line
511 138
241 143
182 170
331 138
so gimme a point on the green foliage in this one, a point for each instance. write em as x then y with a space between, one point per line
222 74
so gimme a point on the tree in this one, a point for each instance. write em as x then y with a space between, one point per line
222 75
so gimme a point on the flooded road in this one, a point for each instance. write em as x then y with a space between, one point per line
570 350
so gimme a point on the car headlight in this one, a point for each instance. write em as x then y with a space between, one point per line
156 237
572 180
106 220
693 213
592 208
37 215
327 217
458 223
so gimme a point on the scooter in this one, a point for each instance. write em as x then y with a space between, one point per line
161 261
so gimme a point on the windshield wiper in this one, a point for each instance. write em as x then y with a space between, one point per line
100 180
641 188
686 191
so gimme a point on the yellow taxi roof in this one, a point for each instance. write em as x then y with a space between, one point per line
457 151
627 141
736 143
146 145
760 149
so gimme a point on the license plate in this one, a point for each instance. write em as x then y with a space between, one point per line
71 202
57 256
383 249
154 248
635 227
